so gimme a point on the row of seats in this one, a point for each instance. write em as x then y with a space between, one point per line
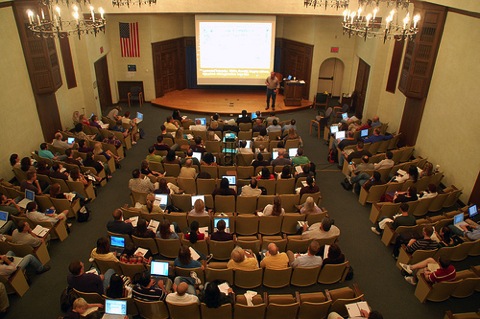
269 306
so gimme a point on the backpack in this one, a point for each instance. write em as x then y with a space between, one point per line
83 214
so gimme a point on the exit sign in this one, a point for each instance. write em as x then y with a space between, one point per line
334 50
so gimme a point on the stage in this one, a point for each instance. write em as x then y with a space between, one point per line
225 102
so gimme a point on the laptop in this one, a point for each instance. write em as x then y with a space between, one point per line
254 116
292 152
364 133
161 200
458 221
195 197
197 155
249 144
29 197
340 135
227 223
3 218
115 309
117 244
203 120
70 140
274 155
139 117
333 129
159 269
344 116
289 77
473 213
232 181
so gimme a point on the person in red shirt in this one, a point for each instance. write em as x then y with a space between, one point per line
445 272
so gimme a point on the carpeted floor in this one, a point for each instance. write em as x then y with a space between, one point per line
374 268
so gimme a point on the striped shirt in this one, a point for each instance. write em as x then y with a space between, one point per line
153 293
424 244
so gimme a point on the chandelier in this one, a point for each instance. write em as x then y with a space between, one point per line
370 26
127 3
49 23
327 3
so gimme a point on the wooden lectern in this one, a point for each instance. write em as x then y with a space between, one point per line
293 91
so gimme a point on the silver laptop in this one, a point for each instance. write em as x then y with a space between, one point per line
115 309
161 200
29 197
3 218
232 181
195 197
139 118
340 135
333 129
473 213
292 152
458 221
159 269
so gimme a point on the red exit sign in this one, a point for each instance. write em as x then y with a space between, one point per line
334 50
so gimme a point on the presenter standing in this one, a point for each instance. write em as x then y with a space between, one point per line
273 85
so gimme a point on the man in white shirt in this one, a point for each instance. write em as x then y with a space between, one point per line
188 171
24 235
325 229
275 127
180 296
385 163
38 217
251 189
198 126
7 267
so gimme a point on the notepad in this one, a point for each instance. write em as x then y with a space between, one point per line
194 254
134 220
140 252
354 308
40 231
153 225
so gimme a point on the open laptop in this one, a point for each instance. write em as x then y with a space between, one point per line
458 221
364 133
70 140
202 120
274 155
161 200
249 144
117 244
333 129
139 117
473 213
292 152
254 115
29 197
197 155
227 223
344 116
159 269
115 309
289 77
340 135
195 197
3 218
232 181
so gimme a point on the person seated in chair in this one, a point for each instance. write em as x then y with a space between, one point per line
221 234
273 258
24 235
87 282
310 259
118 225
251 189
38 217
324 229
29 261
245 118
242 259
148 289
445 271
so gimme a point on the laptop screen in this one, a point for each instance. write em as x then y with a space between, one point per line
139 116
340 135
292 152
203 121
458 218
232 180
472 211
3 215
217 219
249 144
116 241
116 307
162 199
159 268
29 194
334 129
345 116
289 77
274 155
254 115
195 197
70 140
197 155
364 133
49 211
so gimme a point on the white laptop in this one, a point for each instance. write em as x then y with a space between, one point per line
340 135
159 269
274 155
161 200
227 223
292 152
3 218
195 197
29 197
139 118
333 129
197 155
458 221
115 309
344 116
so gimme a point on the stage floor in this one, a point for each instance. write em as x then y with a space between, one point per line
224 102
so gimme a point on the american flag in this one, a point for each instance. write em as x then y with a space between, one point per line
129 43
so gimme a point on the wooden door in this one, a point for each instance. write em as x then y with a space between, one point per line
169 65
103 83
361 87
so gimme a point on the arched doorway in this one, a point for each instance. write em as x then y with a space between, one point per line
330 76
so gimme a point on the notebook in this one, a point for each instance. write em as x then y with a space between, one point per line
3 218
70 140
203 121
161 200
458 221
159 268
364 133
344 116
29 197
197 155
117 244
139 117
292 152
195 197
115 309
333 129
340 135
227 223
473 213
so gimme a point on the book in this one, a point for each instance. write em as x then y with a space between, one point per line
134 220
140 252
354 309
89 311
304 183
203 230
302 222
299 169
224 287
194 254
325 252
153 225
432 267
401 172
40 231
69 196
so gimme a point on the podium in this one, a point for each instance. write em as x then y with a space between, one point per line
293 91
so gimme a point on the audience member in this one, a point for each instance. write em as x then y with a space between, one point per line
213 298
324 229
281 159
224 189
198 208
445 270
102 251
148 289
311 187
310 207
188 171
306 260
274 259
118 225
385 163
87 282
251 189
334 255
221 234
142 229
242 259
274 209
24 235
402 219
140 185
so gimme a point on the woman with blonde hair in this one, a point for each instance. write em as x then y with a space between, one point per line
310 207
98 150
198 208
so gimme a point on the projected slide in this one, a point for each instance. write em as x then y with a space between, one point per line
234 50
